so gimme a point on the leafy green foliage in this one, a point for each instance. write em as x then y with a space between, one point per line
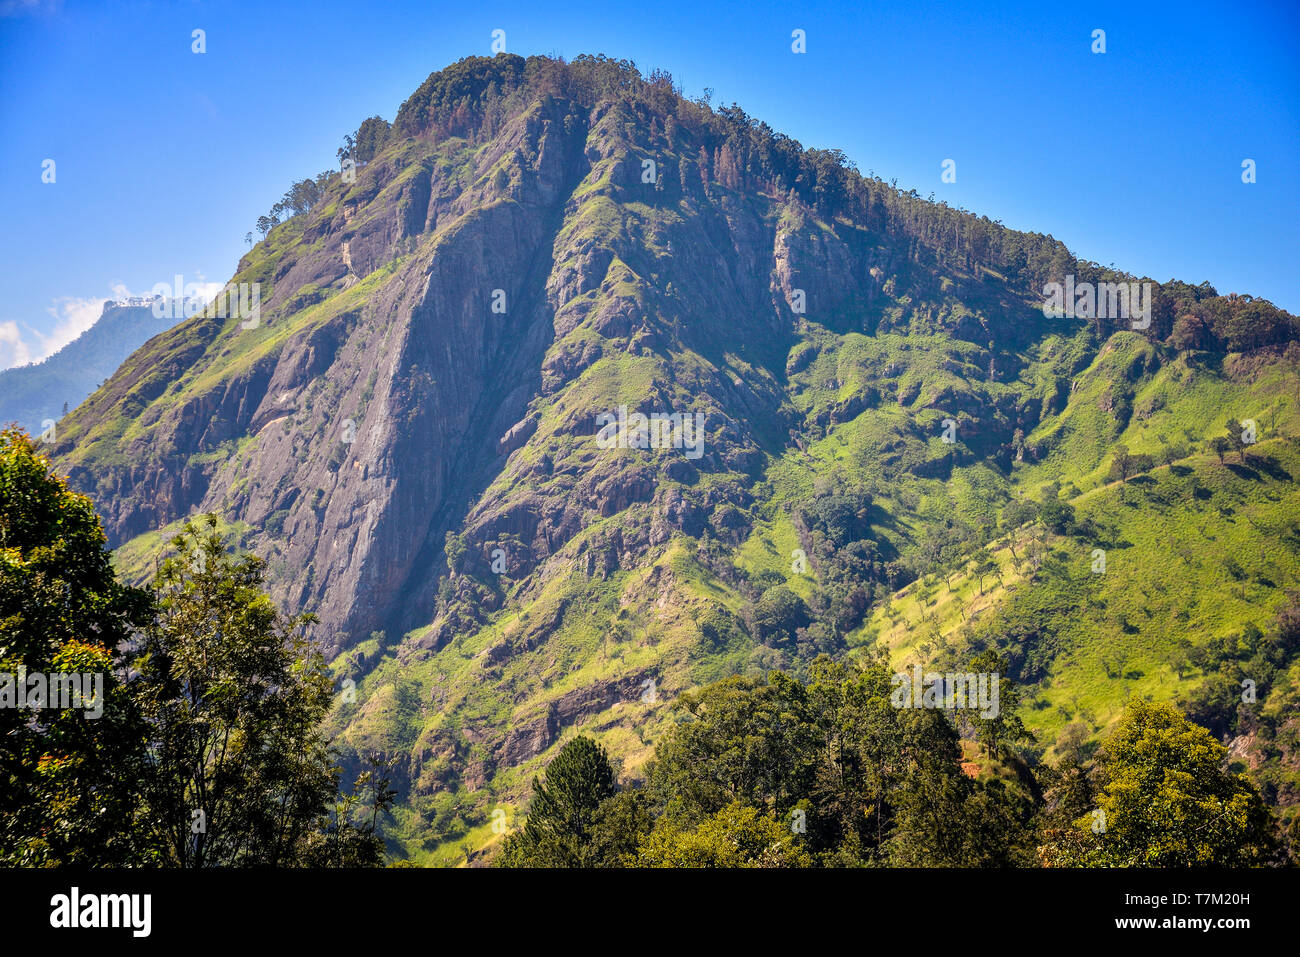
1165 801
298 198
777 615
778 773
735 836
565 811
233 695
370 138
782 774
210 753
63 799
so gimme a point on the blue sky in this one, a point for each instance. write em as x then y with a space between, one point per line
165 158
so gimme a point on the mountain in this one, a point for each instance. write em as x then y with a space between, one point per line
900 451
32 394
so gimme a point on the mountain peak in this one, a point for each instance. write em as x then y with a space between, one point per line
565 355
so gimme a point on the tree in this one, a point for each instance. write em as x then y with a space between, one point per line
727 168
1235 439
1191 332
702 161
621 823
735 836
949 820
741 739
370 139
983 567
1166 801
868 750
1004 727
349 837
564 811
778 614
239 772
1121 465
210 753
67 776
1068 817
1056 515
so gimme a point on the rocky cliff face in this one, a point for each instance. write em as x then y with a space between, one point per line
457 319
369 406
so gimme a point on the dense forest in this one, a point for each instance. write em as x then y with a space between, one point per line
207 749
780 773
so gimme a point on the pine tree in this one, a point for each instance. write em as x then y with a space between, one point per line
564 811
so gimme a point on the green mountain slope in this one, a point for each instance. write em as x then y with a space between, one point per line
412 433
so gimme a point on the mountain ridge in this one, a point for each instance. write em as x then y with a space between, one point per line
423 472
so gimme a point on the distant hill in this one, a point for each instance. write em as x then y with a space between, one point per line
31 394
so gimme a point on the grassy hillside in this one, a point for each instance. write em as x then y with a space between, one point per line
900 453
1196 550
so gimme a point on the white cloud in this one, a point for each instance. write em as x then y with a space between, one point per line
21 344
13 350
207 291
72 317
